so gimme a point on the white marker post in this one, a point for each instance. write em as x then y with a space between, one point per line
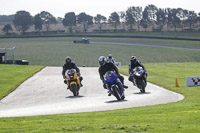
118 64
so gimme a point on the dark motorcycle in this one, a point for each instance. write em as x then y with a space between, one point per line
114 85
139 77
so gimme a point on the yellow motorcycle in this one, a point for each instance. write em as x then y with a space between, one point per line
73 81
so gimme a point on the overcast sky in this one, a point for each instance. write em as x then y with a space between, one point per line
58 8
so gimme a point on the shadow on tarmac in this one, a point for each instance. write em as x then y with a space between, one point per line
116 101
140 93
72 97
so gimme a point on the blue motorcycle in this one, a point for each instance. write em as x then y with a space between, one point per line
114 85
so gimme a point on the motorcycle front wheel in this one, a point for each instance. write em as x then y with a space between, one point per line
116 93
143 85
74 90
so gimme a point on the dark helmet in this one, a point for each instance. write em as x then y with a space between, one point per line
102 60
109 56
133 59
68 60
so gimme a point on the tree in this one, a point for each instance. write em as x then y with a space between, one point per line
173 19
99 19
130 20
123 19
38 22
7 28
145 20
85 19
151 10
192 19
161 18
23 20
182 15
198 17
69 20
47 19
114 19
168 17
136 14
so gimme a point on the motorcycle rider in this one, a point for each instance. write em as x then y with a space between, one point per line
133 64
105 67
70 65
110 59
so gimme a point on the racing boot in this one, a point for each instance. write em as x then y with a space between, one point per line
109 93
125 86
81 84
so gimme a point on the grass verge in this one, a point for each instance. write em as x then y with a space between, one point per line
52 51
182 116
12 76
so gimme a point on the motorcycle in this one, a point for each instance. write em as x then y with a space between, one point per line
114 85
73 81
139 78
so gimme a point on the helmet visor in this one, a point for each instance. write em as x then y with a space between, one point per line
133 60
68 61
101 63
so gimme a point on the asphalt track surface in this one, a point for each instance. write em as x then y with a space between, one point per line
149 45
45 93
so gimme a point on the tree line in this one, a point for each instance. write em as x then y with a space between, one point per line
151 17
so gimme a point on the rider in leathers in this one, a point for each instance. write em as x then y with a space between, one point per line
105 67
133 64
70 65
110 59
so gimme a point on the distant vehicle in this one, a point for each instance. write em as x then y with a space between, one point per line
84 40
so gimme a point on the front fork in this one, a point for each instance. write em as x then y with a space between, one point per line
121 89
134 82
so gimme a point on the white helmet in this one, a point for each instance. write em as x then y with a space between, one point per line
102 60
110 56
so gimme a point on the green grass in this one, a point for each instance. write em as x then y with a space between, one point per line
12 76
182 116
172 34
52 51
179 117
179 43
194 35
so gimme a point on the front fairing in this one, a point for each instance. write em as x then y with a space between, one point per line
71 74
138 74
110 77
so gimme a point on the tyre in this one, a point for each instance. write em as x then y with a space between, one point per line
74 89
116 93
123 97
143 85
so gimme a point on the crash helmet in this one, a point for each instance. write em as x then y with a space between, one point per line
102 60
133 59
110 56
68 60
